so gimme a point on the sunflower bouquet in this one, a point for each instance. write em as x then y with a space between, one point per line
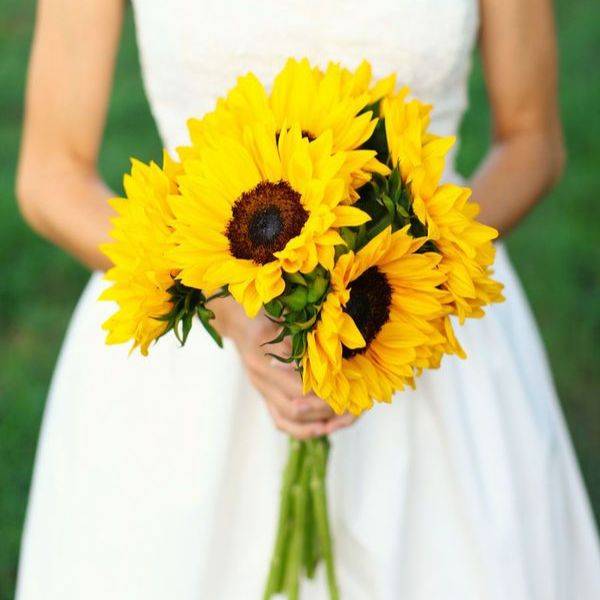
319 205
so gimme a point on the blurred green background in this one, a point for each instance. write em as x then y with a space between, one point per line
556 251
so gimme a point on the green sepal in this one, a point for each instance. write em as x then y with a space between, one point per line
389 205
417 229
187 302
282 359
374 231
361 236
302 326
296 299
349 236
186 322
402 212
205 315
298 346
317 288
274 308
297 310
276 340
222 293
378 139
296 278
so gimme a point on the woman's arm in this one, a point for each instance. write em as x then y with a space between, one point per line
70 74
62 196
518 48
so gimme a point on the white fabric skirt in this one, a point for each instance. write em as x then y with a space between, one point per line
157 478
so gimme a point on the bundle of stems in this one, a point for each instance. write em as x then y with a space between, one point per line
303 535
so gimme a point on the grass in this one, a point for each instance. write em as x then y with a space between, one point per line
555 251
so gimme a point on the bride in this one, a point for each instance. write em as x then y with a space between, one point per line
157 477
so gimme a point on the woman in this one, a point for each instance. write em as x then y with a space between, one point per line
157 478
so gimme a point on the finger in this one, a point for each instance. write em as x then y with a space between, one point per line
339 422
267 380
283 348
286 378
292 411
301 410
284 406
300 431
312 408
289 383
263 331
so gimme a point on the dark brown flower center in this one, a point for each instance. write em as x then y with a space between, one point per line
369 306
307 134
264 220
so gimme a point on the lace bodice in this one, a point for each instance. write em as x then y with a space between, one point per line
192 51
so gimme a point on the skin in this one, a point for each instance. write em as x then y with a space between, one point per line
62 196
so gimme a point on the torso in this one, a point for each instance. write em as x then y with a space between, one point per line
192 51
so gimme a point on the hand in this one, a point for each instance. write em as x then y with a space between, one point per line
301 416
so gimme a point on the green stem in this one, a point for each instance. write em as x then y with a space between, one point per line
311 539
290 475
318 450
300 494
303 532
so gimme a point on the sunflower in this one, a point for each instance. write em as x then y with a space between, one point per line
360 81
374 322
316 101
246 104
466 248
445 210
141 274
250 209
442 342
319 101
420 155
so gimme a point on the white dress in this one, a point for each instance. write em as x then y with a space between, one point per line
157 478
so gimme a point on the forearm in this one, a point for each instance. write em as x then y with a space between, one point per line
69 208
518 50
68 87
515 175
